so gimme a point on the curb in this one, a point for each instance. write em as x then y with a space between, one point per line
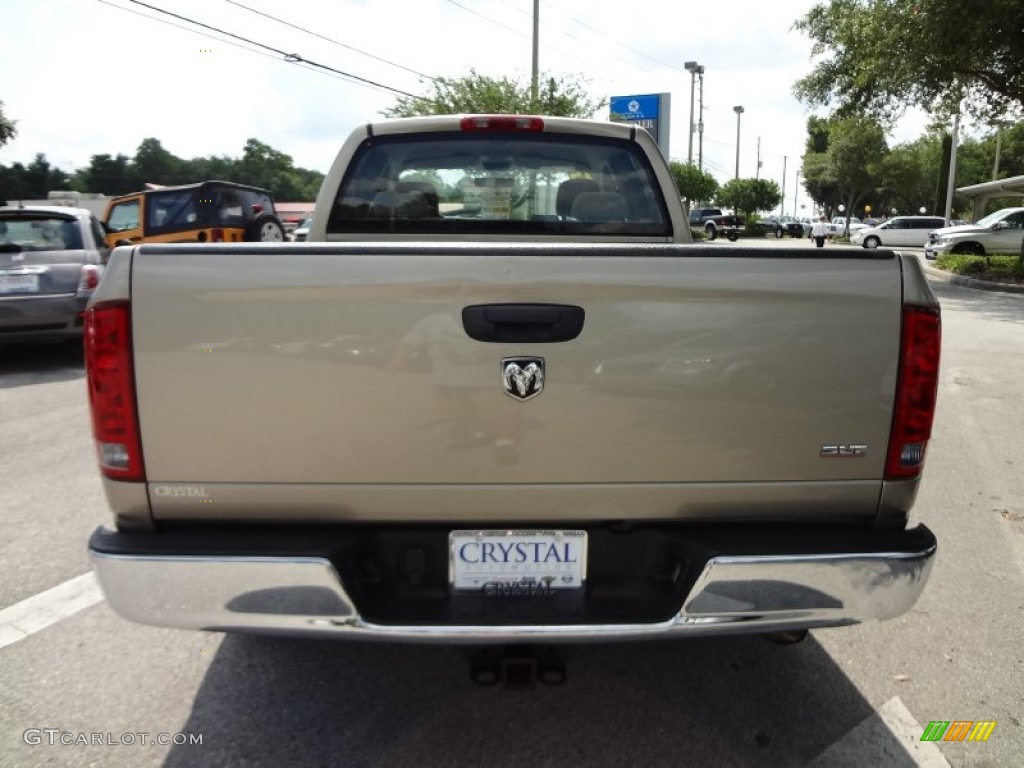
971 282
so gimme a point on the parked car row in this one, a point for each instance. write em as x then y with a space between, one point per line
999 232
52 257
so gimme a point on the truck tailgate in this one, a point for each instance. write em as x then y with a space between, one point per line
346 368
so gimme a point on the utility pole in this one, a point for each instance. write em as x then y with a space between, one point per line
782 211
951 183
693 68
999 141
700 120
739 111
536 49
757 173
796 191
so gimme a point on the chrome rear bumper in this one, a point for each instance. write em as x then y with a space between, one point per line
303 595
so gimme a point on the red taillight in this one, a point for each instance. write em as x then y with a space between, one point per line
88 278
502 123
917 384
217 236
111 380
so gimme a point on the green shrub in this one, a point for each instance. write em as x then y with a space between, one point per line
961 264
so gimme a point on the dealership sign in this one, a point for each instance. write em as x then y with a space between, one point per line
650 111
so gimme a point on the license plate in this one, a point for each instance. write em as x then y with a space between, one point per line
19 283
549 559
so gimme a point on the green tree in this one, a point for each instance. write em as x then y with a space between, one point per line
209 168
693 183
817 134
856 147
1010 148
12 183
877 56
748 196
263 166
152 163
480 94
819 185
908 176
8 129
817 182
110 175
41 177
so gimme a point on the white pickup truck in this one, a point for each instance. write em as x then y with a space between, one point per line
999 232
498 397
840 226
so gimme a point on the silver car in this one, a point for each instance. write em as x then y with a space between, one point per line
301 232
51 261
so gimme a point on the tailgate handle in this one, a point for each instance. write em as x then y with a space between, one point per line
523 323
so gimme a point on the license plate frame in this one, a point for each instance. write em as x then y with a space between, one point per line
11 284
546 558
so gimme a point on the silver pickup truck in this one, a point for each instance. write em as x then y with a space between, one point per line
499 397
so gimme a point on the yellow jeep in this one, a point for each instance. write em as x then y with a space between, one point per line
208 212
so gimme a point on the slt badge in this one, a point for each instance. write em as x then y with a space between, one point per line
522 377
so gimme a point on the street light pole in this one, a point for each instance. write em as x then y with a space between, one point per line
951 182
536 50
785 159
739 111
693 68
700 118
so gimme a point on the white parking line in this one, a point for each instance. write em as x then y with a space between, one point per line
40 611
872 740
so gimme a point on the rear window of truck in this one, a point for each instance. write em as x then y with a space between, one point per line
541 183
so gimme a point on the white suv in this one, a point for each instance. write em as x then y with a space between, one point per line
898 231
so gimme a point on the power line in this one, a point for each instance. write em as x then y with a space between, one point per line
191 31
186 29
714 167
489 19
583 24
330 40
292 58
544 23
525 35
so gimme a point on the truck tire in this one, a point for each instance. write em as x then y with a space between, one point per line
733 236
265 229
971 249
711 231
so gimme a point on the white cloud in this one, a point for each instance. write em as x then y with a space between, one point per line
83 77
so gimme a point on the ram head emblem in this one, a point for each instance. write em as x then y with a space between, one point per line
522 377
